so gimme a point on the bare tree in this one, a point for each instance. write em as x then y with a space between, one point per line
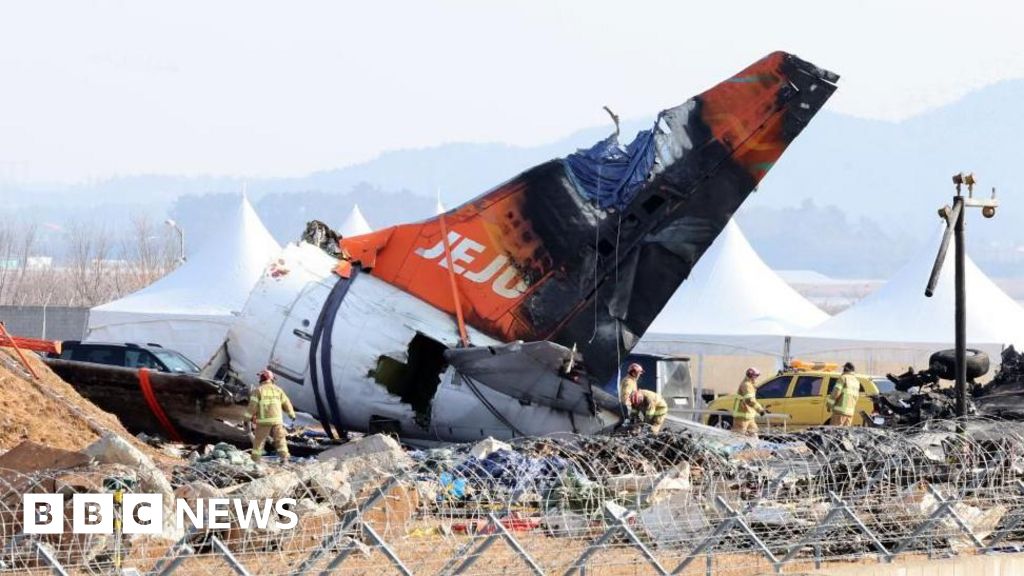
92 272
149 252
98 266
44 286
7 264
24 243
16 244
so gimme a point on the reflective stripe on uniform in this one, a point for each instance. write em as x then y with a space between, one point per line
740 409
848 396
270 406
269 403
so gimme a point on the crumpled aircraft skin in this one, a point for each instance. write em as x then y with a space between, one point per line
554 255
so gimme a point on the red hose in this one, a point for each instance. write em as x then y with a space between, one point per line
154 406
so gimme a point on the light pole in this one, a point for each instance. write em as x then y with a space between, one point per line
954 218
45 304
181 238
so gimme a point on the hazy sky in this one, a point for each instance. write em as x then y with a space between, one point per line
94 89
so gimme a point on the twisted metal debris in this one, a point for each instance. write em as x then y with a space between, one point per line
668 503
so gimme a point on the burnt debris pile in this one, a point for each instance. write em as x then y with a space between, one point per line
824 494
920 397
1004 395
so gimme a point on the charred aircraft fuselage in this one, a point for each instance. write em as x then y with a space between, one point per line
582 252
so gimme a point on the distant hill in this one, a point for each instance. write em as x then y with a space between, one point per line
898 174
851 197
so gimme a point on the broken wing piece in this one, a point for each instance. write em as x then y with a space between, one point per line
560 254
195 406
532 372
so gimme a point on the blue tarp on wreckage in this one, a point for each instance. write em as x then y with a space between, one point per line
609 174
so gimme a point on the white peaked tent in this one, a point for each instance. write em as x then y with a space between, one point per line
732 292
355 224
732 312
190 309
898 316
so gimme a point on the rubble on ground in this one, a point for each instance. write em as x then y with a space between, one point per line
368 459
221 465
671 487
30 457
675 484
323 490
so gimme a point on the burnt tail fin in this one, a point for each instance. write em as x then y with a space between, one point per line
587 250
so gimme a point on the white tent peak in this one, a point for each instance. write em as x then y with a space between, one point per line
900 312
731 291
217 278
355 224
190 308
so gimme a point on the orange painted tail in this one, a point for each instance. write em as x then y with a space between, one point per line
587 250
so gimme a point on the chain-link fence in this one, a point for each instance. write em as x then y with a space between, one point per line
667 503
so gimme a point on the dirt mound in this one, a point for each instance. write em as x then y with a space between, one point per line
49 410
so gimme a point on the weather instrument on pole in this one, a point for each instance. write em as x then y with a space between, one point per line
954 217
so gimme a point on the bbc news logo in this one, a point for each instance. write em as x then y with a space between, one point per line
145 514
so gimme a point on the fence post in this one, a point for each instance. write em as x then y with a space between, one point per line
1000 534
55 566
386 550
499 532
231 560
945 507
173 554
344 526
618 521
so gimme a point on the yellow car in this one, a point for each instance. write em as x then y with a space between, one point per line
800 392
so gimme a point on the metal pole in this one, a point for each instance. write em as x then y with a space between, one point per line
181 239
55 566
952 216
955 218
961 311
45 304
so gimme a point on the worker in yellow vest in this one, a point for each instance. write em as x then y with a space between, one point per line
267 404
649 408
629 384
842 402
745 407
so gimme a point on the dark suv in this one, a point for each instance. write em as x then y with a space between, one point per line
152 356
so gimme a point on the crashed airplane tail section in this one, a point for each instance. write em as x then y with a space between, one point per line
577 254
587 250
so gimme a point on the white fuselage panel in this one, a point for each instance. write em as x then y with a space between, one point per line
374 319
